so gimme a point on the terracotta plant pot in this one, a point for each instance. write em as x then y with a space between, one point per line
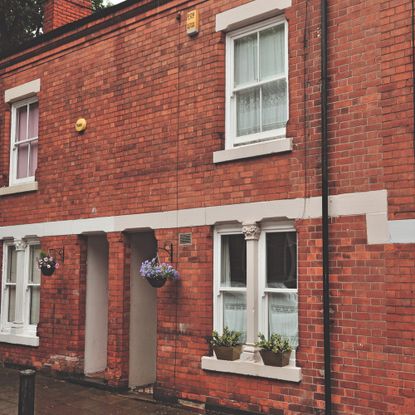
47 271
275 359
227 353
156 283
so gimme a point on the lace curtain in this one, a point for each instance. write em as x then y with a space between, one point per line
233 274
260 57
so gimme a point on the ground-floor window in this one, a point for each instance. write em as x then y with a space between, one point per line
256 265
21 280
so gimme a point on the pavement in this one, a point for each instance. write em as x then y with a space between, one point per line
57 397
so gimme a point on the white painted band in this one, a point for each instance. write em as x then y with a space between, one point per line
402 231
340 205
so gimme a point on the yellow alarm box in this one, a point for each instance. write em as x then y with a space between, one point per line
192 23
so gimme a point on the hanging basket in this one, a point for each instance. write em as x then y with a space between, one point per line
157 273
156 282
47 264
47 271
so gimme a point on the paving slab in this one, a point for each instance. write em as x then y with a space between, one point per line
58 397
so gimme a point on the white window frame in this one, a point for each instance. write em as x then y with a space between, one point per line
13 145
262 311
217 265
27 335
263 289
232 140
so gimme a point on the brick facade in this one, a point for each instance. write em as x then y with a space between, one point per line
154 100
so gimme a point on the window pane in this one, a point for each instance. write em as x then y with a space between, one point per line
21 124
246 60
234 312
272 52
33 158
22 160
274 105
33 120
34 304
281 260
12 264
283 315
34 277
233 261
12 303
248 111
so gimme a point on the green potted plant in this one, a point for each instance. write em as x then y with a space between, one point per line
228 345
275 351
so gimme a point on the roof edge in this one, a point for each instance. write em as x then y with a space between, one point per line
70 27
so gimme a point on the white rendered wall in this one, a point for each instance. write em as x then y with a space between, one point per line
143 315
96 325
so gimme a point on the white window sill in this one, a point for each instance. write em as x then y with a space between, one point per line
239 367
19 188
22 339
280 145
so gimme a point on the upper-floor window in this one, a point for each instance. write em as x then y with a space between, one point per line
257 83
24 141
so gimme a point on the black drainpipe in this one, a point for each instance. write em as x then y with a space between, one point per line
325 209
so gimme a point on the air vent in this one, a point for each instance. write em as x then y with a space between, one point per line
185 239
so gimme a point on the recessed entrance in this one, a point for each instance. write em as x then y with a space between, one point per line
96 324
143 315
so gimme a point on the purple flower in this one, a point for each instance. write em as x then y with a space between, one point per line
152 269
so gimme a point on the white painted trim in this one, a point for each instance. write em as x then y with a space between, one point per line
352 204
13 180
231 139
19 339
254 150
402 231
249 13
20 331
22 91
263 292
287 373
19 188
377 228
235 229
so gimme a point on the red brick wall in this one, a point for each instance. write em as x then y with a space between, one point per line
397 107
62 313
154 102
118 308
141 141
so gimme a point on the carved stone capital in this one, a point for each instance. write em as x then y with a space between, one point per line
251 231
20 245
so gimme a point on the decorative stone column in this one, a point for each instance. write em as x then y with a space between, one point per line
251 232
18 323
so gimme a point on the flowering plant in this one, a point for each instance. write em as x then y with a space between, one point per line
47 264
152 269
